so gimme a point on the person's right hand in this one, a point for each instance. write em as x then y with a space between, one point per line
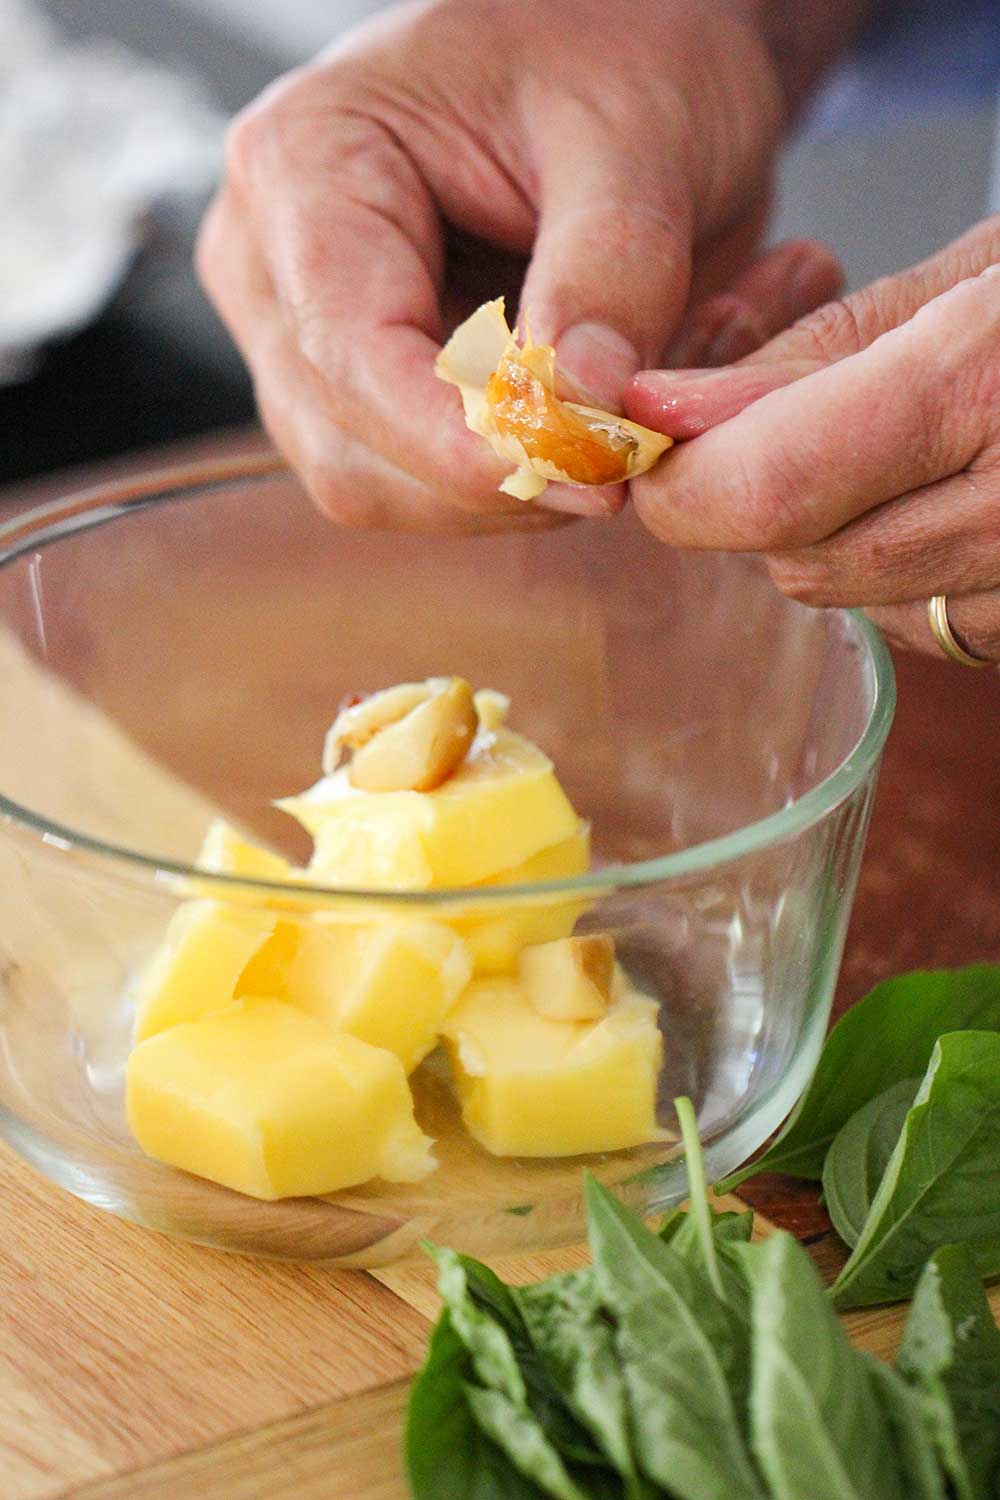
623 154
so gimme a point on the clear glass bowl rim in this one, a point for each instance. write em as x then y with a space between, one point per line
93 507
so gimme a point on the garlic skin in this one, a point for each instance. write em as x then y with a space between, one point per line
474 353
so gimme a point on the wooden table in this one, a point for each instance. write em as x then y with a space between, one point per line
133 1367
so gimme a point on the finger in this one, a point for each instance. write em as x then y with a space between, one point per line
598 502
842 328
913 408
781 285
350 483
723 255
942 539
353 485
351 241
686 403
689 402
608 277
974 619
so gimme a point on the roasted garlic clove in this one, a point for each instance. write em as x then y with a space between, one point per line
508 393
420 749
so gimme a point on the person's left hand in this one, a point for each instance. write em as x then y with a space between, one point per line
859 451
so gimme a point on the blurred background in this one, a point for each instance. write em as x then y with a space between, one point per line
106 343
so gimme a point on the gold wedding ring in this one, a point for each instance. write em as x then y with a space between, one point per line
937 615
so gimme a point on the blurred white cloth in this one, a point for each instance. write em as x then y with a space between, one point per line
294 29
91 138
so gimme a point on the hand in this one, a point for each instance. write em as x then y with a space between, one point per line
619 164
859 451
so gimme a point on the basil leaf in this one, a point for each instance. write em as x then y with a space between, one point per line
447 1455
492 1297
575 1343
487 1341
816 1428
734 1228
729 1231
916 1459
951 1356
941 1184
497 1366
886 1037
524 1441
681 1350
856 1162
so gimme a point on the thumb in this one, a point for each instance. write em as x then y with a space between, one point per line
609 274
684 403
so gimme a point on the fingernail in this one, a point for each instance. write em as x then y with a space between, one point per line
597 503
597 361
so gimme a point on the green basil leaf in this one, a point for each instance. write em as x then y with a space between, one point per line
920 1473
816 1427
941 1184
498 1302
950 1354
885 1038
734 1228
446 1454
575 1343
523 1439
856 1162
682 1351
488 1343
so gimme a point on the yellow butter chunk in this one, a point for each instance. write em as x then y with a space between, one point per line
267 972
205 949
530 1086
226 852
501 806
390 985
264 1099
495 933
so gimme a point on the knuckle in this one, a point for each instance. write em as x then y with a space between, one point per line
905 626
330 487
982 376
321 456
763 508
647 502
284 115
245 139
802 578
208 247
831 331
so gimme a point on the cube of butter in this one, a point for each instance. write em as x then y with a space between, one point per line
226 852
205 949
496 932
501 806
266 975
390 984
266 1100
529 1086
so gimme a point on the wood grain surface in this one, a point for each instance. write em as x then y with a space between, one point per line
135 1367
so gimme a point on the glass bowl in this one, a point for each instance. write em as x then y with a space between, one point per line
177 647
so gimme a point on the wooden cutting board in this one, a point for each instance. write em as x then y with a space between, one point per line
346 1447
133 1367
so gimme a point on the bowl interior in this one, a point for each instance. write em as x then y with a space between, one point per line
679 695
184 657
